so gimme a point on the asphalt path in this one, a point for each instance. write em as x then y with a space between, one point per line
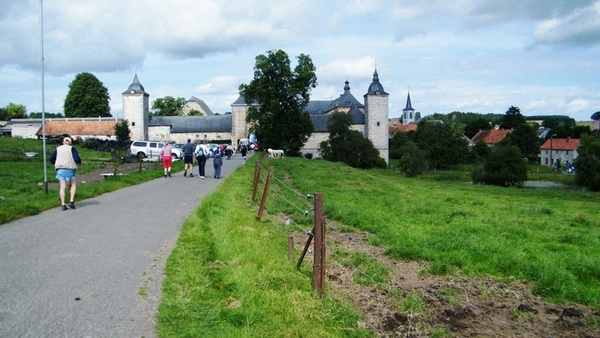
96 271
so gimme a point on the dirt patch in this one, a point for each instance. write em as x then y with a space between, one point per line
95 175
455 306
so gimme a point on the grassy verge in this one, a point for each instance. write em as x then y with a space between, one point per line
23 190
229 276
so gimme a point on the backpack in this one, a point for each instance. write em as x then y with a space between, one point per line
200 152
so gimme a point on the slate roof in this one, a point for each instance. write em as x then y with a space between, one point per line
135 87
202 105
376 87
193 124
561 144
490 137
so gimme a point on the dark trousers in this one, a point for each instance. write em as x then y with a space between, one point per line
201 165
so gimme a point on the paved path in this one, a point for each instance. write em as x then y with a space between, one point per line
96 271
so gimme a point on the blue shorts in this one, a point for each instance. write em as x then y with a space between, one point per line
65 174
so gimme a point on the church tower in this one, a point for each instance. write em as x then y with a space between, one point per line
376 117
408 113
136 110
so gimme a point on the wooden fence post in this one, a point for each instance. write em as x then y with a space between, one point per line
256 179
319 248
263 201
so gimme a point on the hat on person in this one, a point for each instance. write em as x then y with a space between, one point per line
217 151
67 140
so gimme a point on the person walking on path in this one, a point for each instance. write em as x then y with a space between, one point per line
167 160
217 163
188 157
201 155
65 159
244 151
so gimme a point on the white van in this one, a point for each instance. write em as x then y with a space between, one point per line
151 149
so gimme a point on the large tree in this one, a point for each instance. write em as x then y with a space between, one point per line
347 145
443 143
473 127
13 111
513 118
503 166
277 98
525 138
168 106
87 97
587 164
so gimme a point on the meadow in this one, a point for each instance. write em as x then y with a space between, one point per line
229 274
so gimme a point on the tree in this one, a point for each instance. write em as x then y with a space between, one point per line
587 164
122 131
398 140
38 115
195 112
87 97
278 97
443 143
473 127
346 145
168 106
504 166
13 111
596 116
512 119
413 161
525 138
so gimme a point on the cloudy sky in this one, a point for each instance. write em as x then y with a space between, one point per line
482 56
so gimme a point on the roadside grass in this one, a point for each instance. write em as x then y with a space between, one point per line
23 189
229 276
549 237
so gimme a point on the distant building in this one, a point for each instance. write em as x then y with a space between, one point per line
195 103
563 149
490 137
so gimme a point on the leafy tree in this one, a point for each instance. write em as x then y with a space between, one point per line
87 97
480 150
398 140
525 138
513 118
122 131
168 106
413 161
195 112
13 111
38 115
558 120
504 166
443 143
278 97
346 145
596 116
587 164
473 127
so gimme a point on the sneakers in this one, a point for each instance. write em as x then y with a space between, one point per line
165 176
71 205
64 207
191 175
202 177
185 173
169 174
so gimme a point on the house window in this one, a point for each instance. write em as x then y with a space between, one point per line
546 151
567 152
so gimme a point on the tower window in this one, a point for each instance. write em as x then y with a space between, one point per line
133 124
378 124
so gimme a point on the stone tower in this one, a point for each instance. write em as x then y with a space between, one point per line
408 113
239 127
376 117
136 110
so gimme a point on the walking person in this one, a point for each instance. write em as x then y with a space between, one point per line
167 160
65 159
188 157
201 155
244 151
217 163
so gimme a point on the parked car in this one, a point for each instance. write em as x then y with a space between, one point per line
151 149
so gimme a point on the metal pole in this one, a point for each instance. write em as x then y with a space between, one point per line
43 97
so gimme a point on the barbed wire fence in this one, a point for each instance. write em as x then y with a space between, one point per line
294 210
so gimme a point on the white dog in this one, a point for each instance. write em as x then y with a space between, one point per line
275 153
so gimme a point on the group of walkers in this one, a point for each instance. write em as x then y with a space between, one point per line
190 151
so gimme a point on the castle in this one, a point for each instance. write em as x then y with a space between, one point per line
370 118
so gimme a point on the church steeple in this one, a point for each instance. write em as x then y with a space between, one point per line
408 113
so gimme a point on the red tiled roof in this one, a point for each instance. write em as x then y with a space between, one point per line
561 144
403 127
75 128
491 136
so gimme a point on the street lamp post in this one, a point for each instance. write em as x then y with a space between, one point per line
551 137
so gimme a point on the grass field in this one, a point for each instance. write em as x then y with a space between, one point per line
229 274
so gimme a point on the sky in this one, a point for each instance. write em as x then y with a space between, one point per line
481 56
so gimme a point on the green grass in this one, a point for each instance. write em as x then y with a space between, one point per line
23 189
